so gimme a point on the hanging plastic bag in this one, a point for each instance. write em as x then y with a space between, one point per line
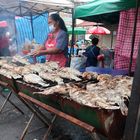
78 62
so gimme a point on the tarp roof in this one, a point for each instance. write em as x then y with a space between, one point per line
25 7
101 10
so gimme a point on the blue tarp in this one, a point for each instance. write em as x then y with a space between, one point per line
24 30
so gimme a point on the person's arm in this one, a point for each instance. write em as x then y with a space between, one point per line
61 44
86 53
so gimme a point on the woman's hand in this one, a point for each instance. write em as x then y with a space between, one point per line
36 53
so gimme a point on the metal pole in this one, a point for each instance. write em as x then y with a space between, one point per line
73 39
133 36
7 99
32 26
112 39
27 127
131 128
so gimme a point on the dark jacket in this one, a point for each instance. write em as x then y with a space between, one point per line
91 53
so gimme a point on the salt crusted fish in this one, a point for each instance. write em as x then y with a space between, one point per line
51 76
71 70
52 65
9 66
20 59
3 61
10 74
34 68
44 67
68 75
35 79
90 75
59 89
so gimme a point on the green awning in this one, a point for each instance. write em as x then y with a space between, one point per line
103 10
77 30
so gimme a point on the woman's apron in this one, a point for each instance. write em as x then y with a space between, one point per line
60 58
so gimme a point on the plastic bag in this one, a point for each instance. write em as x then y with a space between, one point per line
78 62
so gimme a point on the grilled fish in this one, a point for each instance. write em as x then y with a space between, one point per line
18 58
3 61
59 89
90 75
9 66
34 79
34 68
104 77
71 71
45 67
68 76
52 65
10 74
51 76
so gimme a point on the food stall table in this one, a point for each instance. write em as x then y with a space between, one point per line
89 118
7 98
107 71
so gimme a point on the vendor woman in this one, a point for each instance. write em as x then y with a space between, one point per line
56 45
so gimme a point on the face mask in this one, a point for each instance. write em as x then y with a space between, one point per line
51 28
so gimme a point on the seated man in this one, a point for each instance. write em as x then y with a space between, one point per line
92 53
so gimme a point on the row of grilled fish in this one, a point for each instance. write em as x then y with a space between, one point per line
37 73
109 93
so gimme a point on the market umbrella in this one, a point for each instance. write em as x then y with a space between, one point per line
87 23
3 24
98 30
77 30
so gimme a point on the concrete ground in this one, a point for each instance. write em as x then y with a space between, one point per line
13 122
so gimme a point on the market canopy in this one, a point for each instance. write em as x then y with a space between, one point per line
77 30
103 10
25 7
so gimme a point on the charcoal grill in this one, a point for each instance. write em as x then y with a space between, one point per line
109 123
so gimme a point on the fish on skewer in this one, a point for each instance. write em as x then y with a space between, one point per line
35 79
45 67
71 70
52 77
53 65
3 61
59 89
90 75
10 74
68 75
20 59
9 66
34 68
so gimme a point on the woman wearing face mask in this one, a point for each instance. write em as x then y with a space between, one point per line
56 45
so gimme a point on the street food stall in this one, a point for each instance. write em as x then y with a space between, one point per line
79 98
96 102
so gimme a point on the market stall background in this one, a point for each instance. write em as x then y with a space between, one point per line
24 31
